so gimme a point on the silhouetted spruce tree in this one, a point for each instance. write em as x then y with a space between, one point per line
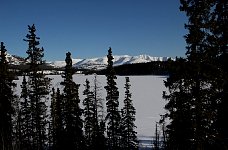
190 126
162 123
89 112
194 87
91 122
100 141
179 130
156 141
99 101
17 134
129 139
59 134
25 117
49 135
38 89
220 48
52 121
112 104
15 119
56 139
6 99
204 53
72 112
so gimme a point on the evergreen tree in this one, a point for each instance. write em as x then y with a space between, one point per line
156 142
220 48
6 99
195 85
59 121
17 134
91 123
99 101
25 117
129 139
203 54
88 114
100 141
179 129
56 134
52 121
112 104
38 89
162 123
72 112
50 136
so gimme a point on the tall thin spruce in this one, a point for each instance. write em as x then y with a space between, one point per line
38 89
112 104
91 122
157 140
6 99
25 117
72 113
129 135
220 40
100 140
56 122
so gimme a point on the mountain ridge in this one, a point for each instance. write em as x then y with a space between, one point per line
101 62
93 63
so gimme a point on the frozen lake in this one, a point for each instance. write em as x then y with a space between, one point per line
146 95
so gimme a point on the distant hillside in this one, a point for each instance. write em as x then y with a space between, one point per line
124 65
14 59
149 68
101 62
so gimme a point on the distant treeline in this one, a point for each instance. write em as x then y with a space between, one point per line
150 68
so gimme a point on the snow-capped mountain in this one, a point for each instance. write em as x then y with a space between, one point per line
93 63
101 62
14 60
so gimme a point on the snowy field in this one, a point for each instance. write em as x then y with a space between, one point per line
146 95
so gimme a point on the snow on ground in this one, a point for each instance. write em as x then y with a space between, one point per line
146 95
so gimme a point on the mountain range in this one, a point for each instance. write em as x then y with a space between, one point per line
101 62
93 63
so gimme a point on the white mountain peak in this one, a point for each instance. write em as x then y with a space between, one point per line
95 63
101 62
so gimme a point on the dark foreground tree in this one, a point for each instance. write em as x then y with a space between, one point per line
157 140
38 89
99 101
72 112
129 139
197 86
6 99
179 130
100 140
56 130
91 125
220 40
112 104
25 117
89 114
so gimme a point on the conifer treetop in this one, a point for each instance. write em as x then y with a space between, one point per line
3 53
31 37
35 54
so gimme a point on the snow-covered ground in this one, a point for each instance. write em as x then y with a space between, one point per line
146 95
